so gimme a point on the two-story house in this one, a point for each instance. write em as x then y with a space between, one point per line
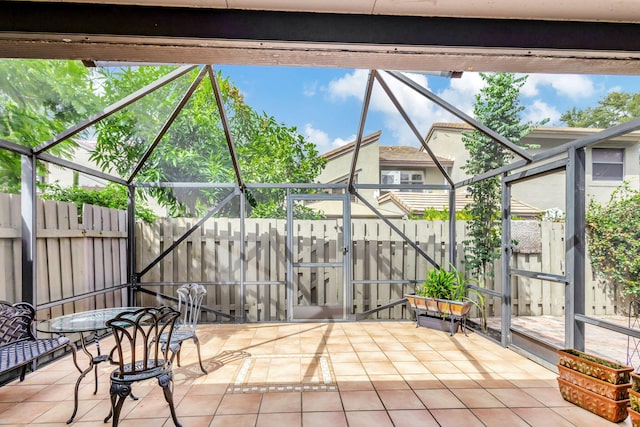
608 164
395 165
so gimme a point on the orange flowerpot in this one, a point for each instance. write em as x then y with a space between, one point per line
603 369
603 388
612 410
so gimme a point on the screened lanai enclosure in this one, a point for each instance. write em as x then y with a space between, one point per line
304 264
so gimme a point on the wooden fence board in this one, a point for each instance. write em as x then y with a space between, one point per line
76 258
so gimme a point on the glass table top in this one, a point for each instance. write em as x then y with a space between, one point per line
84 321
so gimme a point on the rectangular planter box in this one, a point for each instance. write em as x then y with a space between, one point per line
437 323
634 400
587 364
635 381
612 410
603 388
634 417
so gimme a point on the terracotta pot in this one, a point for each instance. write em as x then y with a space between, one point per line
603 388
612 410
634 399
593 366
635 417
635 381
439 306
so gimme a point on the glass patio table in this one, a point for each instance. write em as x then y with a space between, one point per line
87 324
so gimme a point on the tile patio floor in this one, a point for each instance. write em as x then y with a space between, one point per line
316 374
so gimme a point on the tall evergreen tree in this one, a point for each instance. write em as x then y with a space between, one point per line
498 107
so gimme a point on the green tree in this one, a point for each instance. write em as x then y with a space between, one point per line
195 149
613 230
613 109
39 99
111 196
498 107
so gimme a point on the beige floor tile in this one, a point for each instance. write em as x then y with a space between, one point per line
400 399
244 420
400 356
326 401
550 396
421 381
389 382
193 405
542 417
324 419
361 401
411 367
380 368
354 383
383 373
438 398
280 420
368 419
499 417
348 368
239 404
26 412
413 418
281 402
477 398
456 418
515 398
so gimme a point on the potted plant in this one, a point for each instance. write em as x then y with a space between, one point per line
595 384
442 297
634 400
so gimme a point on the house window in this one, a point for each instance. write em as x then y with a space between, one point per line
607 164
413 178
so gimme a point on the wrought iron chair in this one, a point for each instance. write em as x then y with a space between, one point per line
141 356
190 298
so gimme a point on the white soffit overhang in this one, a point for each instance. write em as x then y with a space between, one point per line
585 36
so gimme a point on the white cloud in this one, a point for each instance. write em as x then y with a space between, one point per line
539 111
321 139
352 84
574 86
422 112
310 89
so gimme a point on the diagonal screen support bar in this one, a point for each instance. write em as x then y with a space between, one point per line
463 116
415 131
113 108
225 126
167 124
363 119
396 229
209 214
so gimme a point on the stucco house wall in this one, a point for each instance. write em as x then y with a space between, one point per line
445 139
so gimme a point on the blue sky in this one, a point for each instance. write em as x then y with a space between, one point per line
325 104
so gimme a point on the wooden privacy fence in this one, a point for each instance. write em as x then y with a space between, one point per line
379 255
80 255
75 255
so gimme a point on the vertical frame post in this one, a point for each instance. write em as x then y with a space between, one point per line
243 263
346 259
452 228
575 228
131 244
29 229
505 312
289 257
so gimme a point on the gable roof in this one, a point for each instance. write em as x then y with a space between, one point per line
402 155
416 203
348 148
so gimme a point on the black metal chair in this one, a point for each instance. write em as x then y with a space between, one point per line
141 356
190 298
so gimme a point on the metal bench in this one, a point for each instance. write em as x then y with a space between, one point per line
19 347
